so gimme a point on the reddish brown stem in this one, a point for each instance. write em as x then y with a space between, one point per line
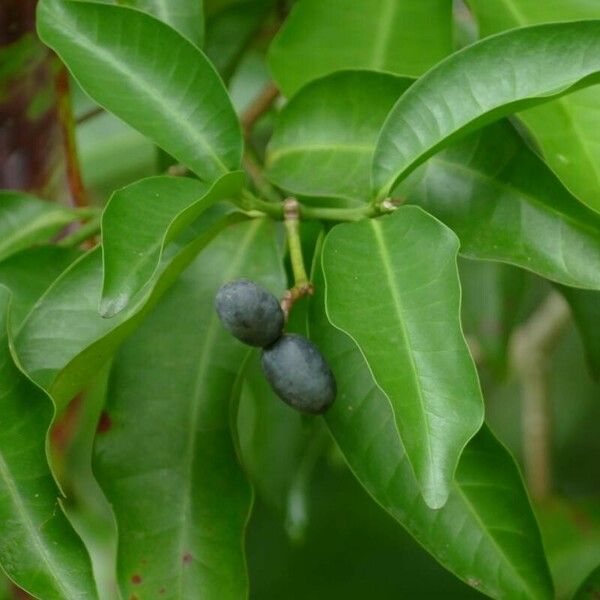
259 106
67 124
31 157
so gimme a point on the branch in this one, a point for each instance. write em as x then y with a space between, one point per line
67 124
531 349
259 106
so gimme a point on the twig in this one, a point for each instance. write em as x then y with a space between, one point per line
83 234
90 114
67 124
531 349
259 106
260 183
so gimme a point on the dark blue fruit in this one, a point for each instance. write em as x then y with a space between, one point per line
249 312
299 374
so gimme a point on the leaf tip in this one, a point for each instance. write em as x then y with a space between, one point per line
111 306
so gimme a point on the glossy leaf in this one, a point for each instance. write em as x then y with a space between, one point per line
585 307
169 409
38 548
139 69
26 220
506 205
185 16
64 340
138 223
486 533
480 84
393 287
86 506
590 588
401 36
325 136
29 273
565 129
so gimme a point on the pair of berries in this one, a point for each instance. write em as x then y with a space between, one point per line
293 365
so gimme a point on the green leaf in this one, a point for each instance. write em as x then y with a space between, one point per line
168 463
392 285
590 588
64 340
29 273
148 75
26 220
480 84
585 307
386 35
86 506
506 205
185 16
38 548
565 129
325 136
486 533
138 223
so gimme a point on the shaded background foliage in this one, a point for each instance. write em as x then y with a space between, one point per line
313 531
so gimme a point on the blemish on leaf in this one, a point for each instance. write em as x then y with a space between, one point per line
136 579
187 558
105 423
63 430
162 591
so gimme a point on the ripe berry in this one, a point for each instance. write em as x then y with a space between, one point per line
299 374
249 312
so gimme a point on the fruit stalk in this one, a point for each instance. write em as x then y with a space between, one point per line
302 285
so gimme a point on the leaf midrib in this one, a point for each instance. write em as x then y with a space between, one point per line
382 39
277 154
30 526
501 552
515 11
175 117
386 262
212 330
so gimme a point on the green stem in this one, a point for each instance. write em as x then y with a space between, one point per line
338 214
255 171
292 226
317 213
85 232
